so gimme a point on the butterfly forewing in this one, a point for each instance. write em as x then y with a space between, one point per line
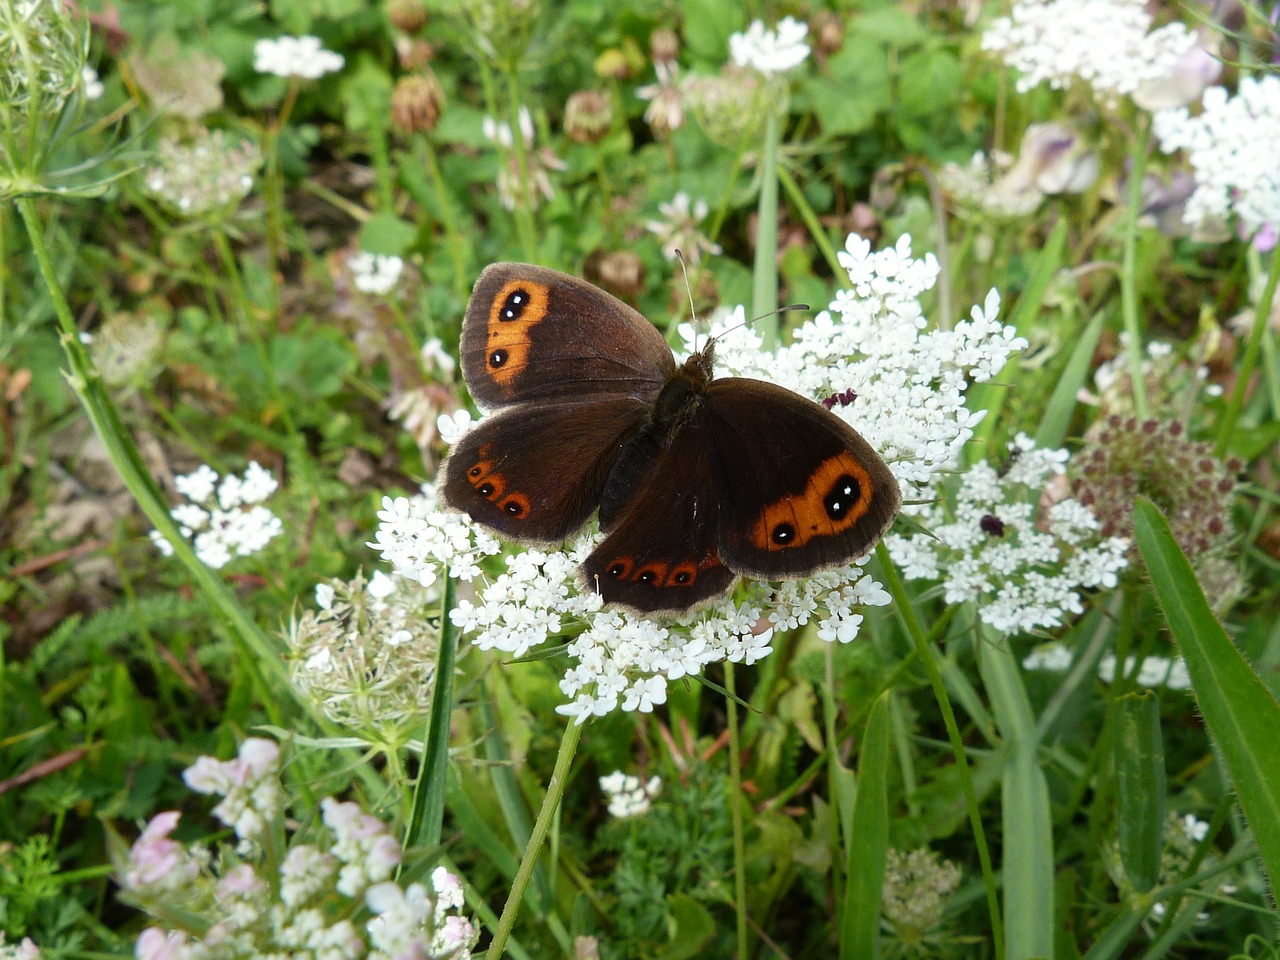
799 489
532 334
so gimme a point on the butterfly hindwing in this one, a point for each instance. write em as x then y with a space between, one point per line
535 472
533 334
799 489
660 554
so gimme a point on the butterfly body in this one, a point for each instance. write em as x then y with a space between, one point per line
696 480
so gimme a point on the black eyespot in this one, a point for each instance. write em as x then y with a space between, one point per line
844 493
513 508
647 577
616 570
683 577
475 472
514 305
783 533
497 358
485 489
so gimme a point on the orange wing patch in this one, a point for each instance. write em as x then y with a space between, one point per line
492 486
837 496
517 307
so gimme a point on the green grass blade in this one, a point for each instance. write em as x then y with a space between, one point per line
1240 711
1140 787
1024 797
427 819
864 864
1062 402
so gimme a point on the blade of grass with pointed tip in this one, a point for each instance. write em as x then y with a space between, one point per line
1062 402
427 820
1238 709
865 859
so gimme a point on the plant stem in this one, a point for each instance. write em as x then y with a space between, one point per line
902 603
87 384
735 803
764 289
457 245
1128 280
1261 316
550 803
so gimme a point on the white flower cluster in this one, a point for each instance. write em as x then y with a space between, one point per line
207 172
367 657
231 524
418 539
1155 671
771 51
374 273
261 901
909 382
628 797
991 545
1232 148
1108 44
302 57
910 387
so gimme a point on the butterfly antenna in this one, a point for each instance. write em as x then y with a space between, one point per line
693 312
763 316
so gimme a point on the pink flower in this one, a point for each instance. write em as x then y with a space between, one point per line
156 860
155 944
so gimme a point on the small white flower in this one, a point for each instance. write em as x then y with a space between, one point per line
1195 829
302 57
681 229
771 51
435 357
224 520
92 85
324 596
375 273
627 796
452 426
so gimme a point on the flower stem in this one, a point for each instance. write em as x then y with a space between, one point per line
550 803
1128 280
457 244
88 386
764 290
735 803
902 603
1261 317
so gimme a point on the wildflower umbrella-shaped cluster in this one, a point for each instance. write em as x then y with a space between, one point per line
226 519
330 894
992 546
909 385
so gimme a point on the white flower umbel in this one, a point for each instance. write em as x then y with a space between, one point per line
1107 44
224 520
331 897
909 385
1232 148
366 658
628 797
301 57
375 273
991 545
771 51
680 229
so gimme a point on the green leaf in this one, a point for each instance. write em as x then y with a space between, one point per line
1062 403
929 84
865 860
890 25
694 927
1239 710
854 90
1140 787
386 234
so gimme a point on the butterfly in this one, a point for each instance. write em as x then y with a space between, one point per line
696 480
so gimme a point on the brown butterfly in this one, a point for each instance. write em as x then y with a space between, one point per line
696 480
